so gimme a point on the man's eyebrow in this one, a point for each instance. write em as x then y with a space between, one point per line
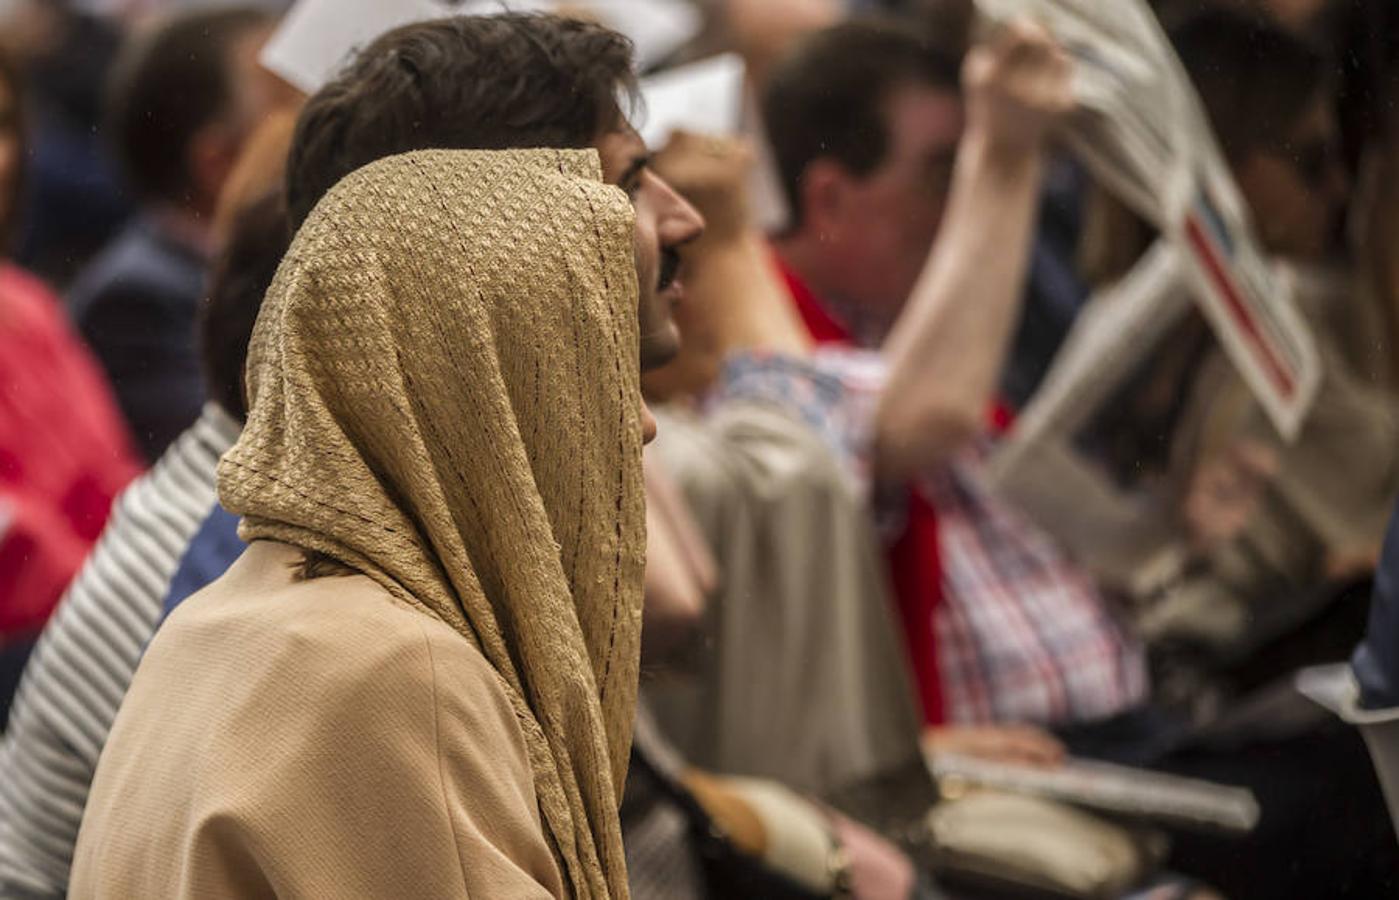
634 170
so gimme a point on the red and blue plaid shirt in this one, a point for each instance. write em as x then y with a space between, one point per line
1020 633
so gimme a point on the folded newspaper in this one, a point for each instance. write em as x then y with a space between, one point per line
1102 787
1141 131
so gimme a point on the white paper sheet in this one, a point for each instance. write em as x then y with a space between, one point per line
318 36
657 27
705 97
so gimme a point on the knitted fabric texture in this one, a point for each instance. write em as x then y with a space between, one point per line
445 397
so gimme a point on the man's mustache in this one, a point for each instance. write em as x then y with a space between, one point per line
670 267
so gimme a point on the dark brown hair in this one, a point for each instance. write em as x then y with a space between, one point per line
826 98
241 275
1255 78
469 82
168 84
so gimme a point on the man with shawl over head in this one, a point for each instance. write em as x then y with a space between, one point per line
420 678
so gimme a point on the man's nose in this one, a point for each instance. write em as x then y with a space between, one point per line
680 222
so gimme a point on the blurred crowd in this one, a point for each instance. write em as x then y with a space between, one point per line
419 472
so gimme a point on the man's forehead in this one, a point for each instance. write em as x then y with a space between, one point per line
925 104
920 117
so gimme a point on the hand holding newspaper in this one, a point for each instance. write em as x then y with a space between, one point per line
1141 131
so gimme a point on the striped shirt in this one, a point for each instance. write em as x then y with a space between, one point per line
85 660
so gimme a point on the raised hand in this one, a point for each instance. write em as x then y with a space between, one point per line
1018 83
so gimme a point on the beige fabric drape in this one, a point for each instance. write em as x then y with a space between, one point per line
804 678
445 398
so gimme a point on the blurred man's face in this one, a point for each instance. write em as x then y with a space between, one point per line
1297 191
257 92
664 221
254 95
882 225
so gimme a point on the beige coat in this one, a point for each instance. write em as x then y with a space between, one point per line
288 738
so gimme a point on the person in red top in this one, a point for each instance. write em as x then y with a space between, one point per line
64 450
913 186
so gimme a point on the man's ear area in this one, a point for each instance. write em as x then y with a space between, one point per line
824 190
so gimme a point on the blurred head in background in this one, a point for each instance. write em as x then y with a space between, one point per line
242 272
864 120
184 96
253 234
1301 16
1271 102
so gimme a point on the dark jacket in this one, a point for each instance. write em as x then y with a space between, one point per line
1377 661
135 305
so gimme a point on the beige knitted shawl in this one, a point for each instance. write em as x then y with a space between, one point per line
445 397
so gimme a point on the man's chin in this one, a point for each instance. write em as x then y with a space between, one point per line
660 347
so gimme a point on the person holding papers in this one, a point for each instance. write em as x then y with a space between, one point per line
913 190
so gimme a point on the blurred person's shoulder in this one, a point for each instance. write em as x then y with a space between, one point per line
141 263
